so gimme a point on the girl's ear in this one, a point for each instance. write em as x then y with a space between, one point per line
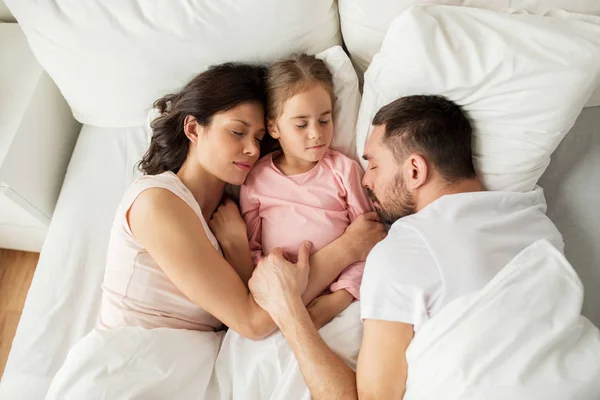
273 129
192 128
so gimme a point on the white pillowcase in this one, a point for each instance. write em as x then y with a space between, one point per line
112 59
523 79
364 22
347 101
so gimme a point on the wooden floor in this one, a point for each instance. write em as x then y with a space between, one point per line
16 272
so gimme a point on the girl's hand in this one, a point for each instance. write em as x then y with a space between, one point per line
326 307
363 234
228 225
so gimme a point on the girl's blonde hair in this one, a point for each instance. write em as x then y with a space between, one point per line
294 75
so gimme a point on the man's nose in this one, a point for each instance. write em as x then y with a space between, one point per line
366 180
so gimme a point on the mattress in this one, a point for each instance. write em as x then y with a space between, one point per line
65 293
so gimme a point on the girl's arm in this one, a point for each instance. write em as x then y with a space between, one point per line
241 244
358 204
328 306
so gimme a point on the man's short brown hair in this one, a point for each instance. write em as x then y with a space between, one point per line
432 126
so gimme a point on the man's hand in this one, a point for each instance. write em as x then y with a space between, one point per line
276 282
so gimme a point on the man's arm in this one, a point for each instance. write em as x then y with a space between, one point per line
382 369
326 375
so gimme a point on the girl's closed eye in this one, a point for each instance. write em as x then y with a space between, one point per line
324 122
302 126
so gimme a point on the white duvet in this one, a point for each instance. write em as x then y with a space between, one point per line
521 337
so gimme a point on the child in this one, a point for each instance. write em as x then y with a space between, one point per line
305 191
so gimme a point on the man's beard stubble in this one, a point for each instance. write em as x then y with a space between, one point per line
399 202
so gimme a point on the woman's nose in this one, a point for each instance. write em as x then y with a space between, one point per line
251 149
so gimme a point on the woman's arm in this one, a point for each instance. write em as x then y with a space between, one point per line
174 236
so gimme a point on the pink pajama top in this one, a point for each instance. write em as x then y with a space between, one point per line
318 205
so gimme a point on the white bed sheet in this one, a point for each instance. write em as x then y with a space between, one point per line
65 293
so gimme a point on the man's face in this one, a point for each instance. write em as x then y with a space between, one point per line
385 181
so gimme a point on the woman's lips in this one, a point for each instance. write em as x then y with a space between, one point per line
243 166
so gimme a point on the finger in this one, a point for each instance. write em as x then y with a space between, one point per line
277 253
304 255
371 216
227 201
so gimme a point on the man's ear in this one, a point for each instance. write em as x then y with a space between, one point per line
417 171
273 129
192 128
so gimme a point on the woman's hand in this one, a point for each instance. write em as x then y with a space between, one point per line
363 234
228 225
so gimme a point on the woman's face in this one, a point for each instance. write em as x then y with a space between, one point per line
229 146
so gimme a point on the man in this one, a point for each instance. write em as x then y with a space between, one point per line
448 238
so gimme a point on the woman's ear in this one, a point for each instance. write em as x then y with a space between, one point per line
273 129
192 128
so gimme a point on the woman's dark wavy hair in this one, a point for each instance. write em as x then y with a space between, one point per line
219 89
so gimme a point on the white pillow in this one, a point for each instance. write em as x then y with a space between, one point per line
347 101
111 59
523 79
364 22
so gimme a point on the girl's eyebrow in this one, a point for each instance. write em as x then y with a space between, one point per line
306 116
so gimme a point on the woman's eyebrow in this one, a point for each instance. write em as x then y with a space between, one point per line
242 121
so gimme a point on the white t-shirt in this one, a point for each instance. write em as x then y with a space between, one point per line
452 247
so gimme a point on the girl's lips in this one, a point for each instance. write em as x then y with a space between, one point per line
316 147
243 166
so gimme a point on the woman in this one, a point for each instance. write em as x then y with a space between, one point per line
164 264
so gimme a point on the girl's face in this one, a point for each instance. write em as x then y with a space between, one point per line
305 127
229 146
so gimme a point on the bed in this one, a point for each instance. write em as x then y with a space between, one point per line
64 298
65 292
